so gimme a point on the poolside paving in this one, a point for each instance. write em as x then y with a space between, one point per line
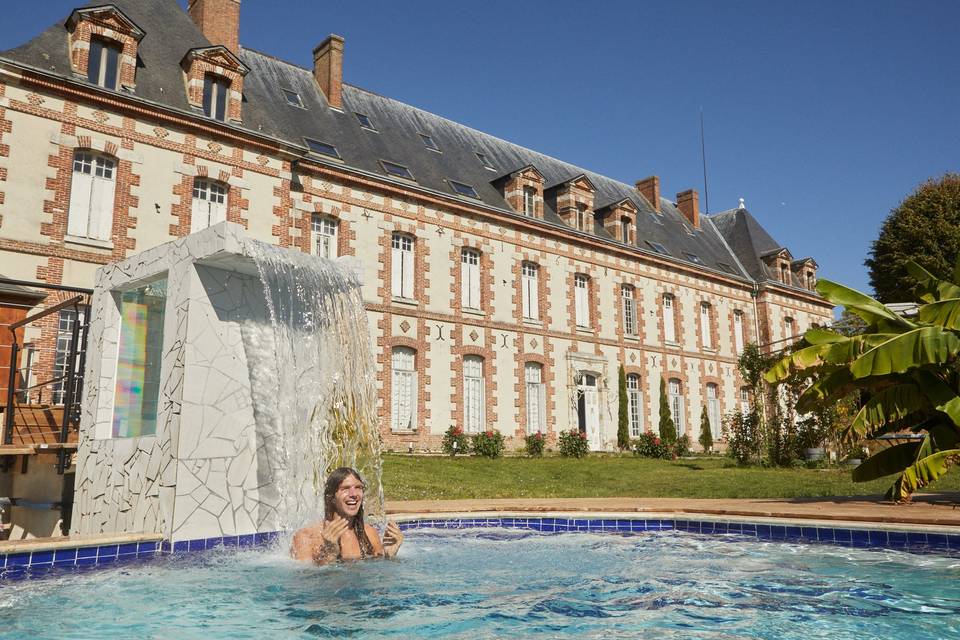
926 509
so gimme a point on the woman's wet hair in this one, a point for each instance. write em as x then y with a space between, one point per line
336 478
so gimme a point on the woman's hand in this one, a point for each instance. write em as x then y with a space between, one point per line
330 535
392 539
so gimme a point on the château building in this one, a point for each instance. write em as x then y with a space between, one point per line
504 287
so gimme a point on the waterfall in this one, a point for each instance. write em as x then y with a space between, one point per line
313 381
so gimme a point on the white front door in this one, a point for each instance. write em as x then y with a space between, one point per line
588 410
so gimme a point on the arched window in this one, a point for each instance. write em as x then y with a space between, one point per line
634 405
713 409
535 397
402 266
324 230
473 400
92 191
675 391
209 204
403 390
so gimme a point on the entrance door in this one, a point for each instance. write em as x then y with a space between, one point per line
588 410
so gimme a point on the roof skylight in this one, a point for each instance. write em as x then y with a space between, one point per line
655 218
322 148
694 258
293 98
365 121
429 143
395 169
485 161
464 189
659 248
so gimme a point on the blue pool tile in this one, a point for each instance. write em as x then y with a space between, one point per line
860 538
749 529
778 532
895 539
148 547
230 541
125 549
609 524
825 534
878 538
181 546
15 573
623 525
18 560
937 541
87 552
107 551
106 560
809 534
952 541
843 536
65 555
763 531
87 561
213 543
41 557
794 533
916 539
246 540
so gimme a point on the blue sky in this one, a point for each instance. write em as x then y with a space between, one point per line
822 115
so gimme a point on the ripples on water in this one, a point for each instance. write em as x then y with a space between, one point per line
494 584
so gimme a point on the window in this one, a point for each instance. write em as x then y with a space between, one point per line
470 279
209 204
395 169
694 258
675 391
706 330
530 291
788 328
402 266
656 218
669 326
529 201
625 229
784 274
464 189
659 248
582 217
629 310
713 410
473 400
811 280
581 289
324 230
293 98
429 143
61 363
103 65
365 121
403 389
689 233
322 148
91 196
485 162
744 400
738 331
215 91
634 405
536 397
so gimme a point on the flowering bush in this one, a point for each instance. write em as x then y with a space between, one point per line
455 441
682 446
535 442
573 444
649 445
488 443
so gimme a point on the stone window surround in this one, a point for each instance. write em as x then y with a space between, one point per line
219 61
111 24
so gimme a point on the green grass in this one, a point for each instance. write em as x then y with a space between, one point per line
444 478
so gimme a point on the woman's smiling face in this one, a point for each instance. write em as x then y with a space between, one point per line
349 497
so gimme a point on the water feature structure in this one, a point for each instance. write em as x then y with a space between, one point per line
225 377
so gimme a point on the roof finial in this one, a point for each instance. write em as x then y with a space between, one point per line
742 206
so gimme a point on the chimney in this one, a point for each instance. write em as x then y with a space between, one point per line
328 69
219 20
649 188
689 204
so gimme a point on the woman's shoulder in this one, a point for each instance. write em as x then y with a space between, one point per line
373 537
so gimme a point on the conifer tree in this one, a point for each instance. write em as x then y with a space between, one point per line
623 419
668 430
706 437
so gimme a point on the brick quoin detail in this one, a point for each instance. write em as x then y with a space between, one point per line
6 126
109 24
216 60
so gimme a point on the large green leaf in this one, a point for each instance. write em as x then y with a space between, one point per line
832 384
861 305
820 335
840 351
917 347
922 473
940 394
891 460
945 313
929 287
889 405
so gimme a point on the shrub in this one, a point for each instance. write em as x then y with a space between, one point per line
681 447
488 444
534 444
649 445
455 436
706 436
744 438
573 444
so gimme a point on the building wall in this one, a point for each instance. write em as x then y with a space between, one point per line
160 155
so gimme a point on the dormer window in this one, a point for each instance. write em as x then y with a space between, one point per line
104 63
784 274
625 235
582 216
529 201
215 91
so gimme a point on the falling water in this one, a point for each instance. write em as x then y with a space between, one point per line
312 375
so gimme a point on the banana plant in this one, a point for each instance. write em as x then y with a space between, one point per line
907 367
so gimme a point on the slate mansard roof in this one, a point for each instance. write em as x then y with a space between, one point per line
727 243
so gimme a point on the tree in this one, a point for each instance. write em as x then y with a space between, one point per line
668 430
924 228
906 367
706 438
623 419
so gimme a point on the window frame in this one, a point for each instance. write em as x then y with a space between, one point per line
530 290
401 171
94 175
471 279
474 410
402 279
714 415
298 104
464 189
677 402
706 326
366 122
324 244
535 398
99 65
669 318
581 300
634 405
629 309
321 148
429 142
215 87
408 377
212 192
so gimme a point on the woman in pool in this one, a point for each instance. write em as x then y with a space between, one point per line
343 534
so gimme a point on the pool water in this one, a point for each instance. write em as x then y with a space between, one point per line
494 583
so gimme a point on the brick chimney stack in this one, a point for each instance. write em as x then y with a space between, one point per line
219 20
649 188
689 204
328 69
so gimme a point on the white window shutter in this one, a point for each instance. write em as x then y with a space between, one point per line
534 299
199 215
78 217
475 284
464 283
396 271
218 212
101 209
738 332
408 274
669 330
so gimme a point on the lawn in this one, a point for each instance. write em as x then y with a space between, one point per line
418 478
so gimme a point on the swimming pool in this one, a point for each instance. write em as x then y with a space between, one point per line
497 582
